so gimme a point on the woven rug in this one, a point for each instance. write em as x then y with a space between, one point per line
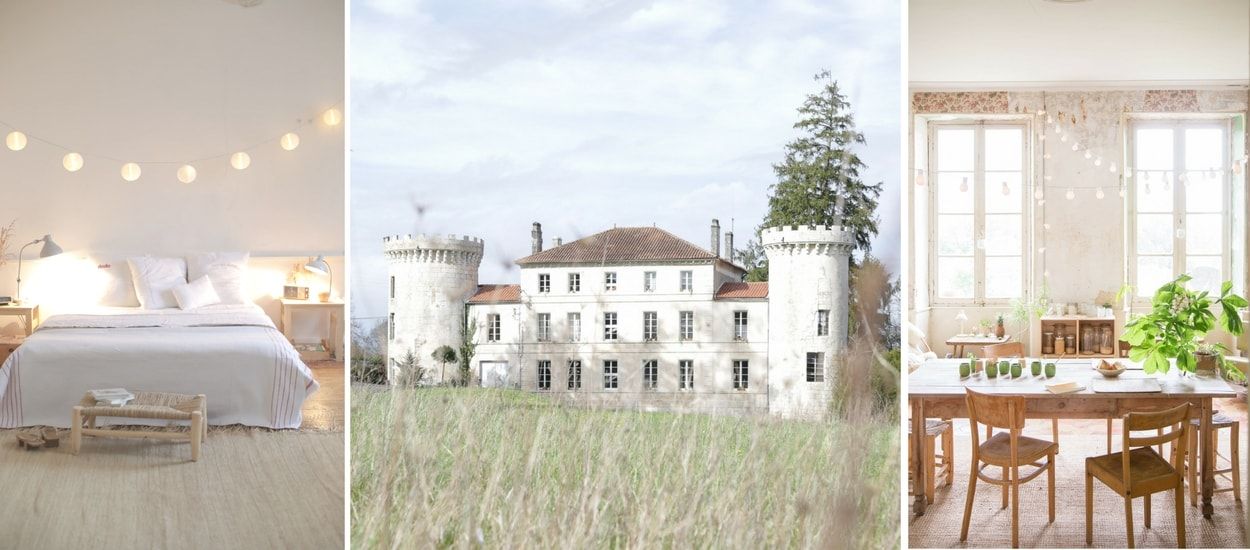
990 526
250 489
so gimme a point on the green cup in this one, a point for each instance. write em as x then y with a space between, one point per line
991 371
1050 370
965 369
1036 368
1016 371
1004 368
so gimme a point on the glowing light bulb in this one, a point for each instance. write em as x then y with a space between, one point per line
1041 112
1239 166
1099 194
1183 178
332 117
1039 194
186 173
1088 154
1063 137
1071 194
289 141
1122 192
1098 161
1180 233
921 180
1041 250
1112 167
72 162
1046 226
1050 119
1046 273
240 160
1076 146
131 171
1046 156
15 141
1128 171
1147 187
1041 137
963 185
1006 189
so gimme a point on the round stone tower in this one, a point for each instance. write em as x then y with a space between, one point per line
431 277
808 305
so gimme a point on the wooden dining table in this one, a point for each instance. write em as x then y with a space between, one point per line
935 390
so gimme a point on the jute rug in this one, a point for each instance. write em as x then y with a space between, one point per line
250 489
991 526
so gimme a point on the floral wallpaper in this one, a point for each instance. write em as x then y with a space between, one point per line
960 102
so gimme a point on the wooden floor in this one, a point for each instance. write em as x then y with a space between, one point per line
324 410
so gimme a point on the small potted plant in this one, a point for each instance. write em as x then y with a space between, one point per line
1178 319
985 326
999 331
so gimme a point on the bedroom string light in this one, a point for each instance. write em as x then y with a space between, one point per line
332 117
186 173
15 141
240 160
289 141
72 162
131 171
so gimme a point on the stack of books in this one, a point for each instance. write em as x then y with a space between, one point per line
112 397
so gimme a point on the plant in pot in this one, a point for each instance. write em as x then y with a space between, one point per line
1178 319
985 325
999 331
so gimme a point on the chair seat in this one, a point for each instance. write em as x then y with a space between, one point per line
1149 471
997 449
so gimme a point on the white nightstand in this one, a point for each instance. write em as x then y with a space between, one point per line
333 308
28 312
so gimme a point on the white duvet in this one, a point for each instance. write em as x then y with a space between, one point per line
234 355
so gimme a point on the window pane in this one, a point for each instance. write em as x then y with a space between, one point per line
1203 234
1003 149
1154 234
1152 194
1204 149
954 192
1154 149
1203 193
954 235
954 277
1002 234
1152 273
1003 277
954 149
996 200
1206 273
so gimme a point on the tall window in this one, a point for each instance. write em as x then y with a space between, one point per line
492 327
544 327
650 326
575 282
575 327
575 374
392 286
822 322
685 374
1180 204
609 374
648 281
816 367
544 375
978 211
391 328
742 372
687 281
609 281
544 282
609 326
650 374
687 325
740 326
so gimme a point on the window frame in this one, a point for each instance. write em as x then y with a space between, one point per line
544 283
685 326
494 327
543 375
742 326
575 374
391 327
574 319
575 283
544 327
650 326
609 281
649 281
685 374
611 332
815 373
392 287
686 281
741 374
614 375
822 322
650 375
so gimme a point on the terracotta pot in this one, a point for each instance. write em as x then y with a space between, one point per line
1208 364
999 331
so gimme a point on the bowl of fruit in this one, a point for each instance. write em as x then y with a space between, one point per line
1108 369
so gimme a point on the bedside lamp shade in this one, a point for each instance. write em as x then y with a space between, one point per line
321 267
962 317
49 249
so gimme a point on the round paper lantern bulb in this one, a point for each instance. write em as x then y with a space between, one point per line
1099 193
186 173
289 141
332 117
1121 192
963 185
240 160
1238 166
1128 171
1071 194
131 171
15 141
1006 189
921 179
72 162
1038 193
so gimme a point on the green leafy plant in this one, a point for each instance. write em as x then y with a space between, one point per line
1024 310
1178 318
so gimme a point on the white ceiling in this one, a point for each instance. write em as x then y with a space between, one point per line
1037 43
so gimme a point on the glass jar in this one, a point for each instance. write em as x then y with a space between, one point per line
1088 344
1106 345
1070 343
1048 343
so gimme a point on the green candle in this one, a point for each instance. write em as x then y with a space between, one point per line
1036 368
1016 371
990 371
1004 368
965 369
1050 370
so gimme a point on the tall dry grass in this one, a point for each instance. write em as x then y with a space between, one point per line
503 468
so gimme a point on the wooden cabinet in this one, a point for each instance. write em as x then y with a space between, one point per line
8 345
1091 336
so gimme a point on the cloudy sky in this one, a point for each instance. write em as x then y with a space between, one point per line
584 114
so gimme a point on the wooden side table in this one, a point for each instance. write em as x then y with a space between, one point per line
28 312
332 308
8 345
960 340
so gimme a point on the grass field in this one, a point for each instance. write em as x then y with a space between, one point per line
503 468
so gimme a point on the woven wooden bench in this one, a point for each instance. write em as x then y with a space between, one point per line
149 405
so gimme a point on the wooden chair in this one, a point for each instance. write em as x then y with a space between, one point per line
1141 472
1009 451
1191 462
1016 350
935 465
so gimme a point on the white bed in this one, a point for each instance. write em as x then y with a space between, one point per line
233 354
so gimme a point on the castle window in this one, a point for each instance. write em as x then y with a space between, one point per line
575 374
575 282
609 281
685 374
609 374
648 281
544 375
742 372
822 322
391 327
650 374
575 327
687 281
392 286
544 282
492 327
544 327
740 326
687 325
649 326
609 326
815 367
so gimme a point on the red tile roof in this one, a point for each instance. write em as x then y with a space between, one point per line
496 294
738 291
622 244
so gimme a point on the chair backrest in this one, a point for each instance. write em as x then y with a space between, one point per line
998 411
1177 418
1009 349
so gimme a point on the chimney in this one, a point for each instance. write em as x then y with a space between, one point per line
536 238
556 242
729 246
715 237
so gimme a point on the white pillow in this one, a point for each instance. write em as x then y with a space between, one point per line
117 286
197 293
227 271
155 279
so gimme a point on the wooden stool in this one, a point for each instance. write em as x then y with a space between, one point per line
936 465
1192 460
148 405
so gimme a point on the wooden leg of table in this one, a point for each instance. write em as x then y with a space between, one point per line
948 454
917 448
1208 461
75 430
1050 502
1109 426
930 468
1235 457
1089 507
1191 467
197 431
204 413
